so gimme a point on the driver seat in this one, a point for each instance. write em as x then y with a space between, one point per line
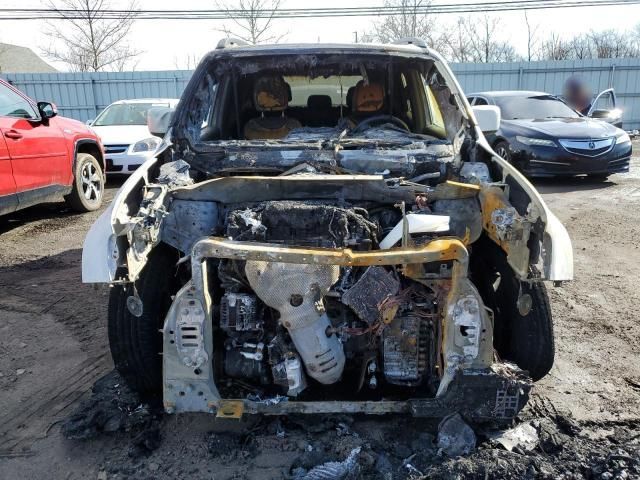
271 99
368 100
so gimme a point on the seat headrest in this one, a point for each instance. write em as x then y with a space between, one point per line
350 93
368 98
270 94
319 102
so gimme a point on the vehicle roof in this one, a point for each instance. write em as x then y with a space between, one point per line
388 48
146 100
507 93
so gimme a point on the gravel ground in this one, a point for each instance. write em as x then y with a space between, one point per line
53 349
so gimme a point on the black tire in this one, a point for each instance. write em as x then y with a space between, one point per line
503 150
136 342
88 184
527 340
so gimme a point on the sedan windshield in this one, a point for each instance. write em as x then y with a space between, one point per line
126 114
541 106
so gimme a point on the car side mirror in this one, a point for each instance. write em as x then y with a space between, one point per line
488 117
89 122
159 120
47 110
600 114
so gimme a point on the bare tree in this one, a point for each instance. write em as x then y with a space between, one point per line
186 62
252 20
3 49
482 43
86 40
603 44
555 48
635 33
612 44
364 37
580 48
459 49
409 21
532 37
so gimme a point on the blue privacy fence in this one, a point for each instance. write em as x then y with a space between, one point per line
83 95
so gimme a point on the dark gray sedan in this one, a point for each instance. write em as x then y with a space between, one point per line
542 136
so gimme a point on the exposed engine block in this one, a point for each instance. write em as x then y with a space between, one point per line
239 313
407 349
296 292
305 337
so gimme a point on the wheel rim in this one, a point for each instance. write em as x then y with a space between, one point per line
502 152
91 182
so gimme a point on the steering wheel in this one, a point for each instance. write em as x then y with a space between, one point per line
380 119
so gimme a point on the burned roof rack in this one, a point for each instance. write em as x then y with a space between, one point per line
230 43
418 42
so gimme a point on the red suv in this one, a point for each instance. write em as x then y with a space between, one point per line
43 156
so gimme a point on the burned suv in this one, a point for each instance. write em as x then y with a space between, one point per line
326 229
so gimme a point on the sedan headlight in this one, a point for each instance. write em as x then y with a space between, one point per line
623 138
146 145
536 142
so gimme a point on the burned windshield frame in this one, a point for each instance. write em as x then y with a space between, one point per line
227 71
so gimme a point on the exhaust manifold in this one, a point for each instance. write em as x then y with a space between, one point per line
296 292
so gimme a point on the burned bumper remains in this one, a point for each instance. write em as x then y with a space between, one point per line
492 395
469 381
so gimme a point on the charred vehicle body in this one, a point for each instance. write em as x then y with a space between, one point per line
327 230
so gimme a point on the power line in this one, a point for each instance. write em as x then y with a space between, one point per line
291 13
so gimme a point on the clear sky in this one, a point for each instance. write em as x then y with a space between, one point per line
167 44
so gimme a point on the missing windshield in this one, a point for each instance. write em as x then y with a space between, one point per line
310 100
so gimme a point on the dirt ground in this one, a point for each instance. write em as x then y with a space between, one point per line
53 348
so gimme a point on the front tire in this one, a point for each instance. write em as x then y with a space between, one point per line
503 150
136 342
524 337
88 184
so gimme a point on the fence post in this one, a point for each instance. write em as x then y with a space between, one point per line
520 74
612 75
93 97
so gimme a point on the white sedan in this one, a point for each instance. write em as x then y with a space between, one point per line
122 126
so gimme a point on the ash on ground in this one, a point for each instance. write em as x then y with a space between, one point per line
542 445
113 407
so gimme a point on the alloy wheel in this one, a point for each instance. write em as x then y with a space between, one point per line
91 182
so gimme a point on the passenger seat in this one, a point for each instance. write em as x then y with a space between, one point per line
271 99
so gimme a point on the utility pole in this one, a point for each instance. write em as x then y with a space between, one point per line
356 35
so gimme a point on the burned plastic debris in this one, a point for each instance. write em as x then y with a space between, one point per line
371 289
523 437
455 436
348 469
112 407
175 174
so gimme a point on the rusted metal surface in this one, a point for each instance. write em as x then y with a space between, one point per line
441 250
507 228
434 251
